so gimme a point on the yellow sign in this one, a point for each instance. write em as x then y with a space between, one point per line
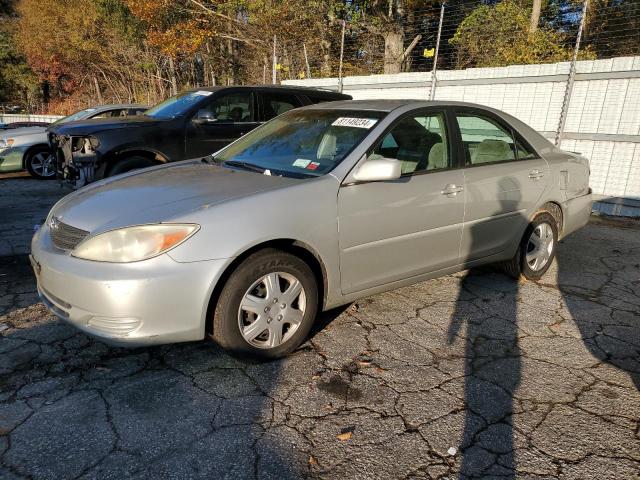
429 52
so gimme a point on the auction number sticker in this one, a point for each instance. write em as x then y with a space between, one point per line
355 122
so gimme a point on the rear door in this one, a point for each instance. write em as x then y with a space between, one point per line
504 180
217 123
391 231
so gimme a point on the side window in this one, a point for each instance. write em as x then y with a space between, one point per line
234 108
108 114
419 142
274 104
484 140
524 152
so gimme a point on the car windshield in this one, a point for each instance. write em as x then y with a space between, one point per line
301 143
75 116
177 105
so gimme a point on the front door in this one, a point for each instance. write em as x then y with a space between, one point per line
399 229
224 119
504 180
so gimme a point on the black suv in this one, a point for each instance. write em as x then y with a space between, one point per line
192 124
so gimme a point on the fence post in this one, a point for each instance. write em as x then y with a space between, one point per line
570 79
432 92
344 23
274 72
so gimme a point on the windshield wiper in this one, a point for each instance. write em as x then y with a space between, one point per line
245 166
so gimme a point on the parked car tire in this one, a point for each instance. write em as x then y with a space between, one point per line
537 249
40 163
127 164
267 306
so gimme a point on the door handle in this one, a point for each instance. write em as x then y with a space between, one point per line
535 174
451 190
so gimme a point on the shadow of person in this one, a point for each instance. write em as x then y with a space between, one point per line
598 279
487 308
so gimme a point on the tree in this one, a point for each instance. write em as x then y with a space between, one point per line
18 84
535 15
500 35
390 19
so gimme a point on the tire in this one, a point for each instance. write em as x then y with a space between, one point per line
525 262
251 303
127 164
40 164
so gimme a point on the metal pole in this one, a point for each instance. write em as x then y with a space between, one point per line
306 60
570 79
274 73
344 23
432 92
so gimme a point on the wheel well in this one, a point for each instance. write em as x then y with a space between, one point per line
111 159
556 212
299 249
30 150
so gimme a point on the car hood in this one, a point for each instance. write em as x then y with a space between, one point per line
93 125
161 194
18 132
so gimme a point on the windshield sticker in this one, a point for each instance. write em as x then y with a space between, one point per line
203 93
313 166
301 162
355 122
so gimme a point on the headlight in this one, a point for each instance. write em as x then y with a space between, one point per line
132 244
6 142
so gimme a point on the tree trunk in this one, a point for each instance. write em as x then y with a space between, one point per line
172 75
393 49
98 92
535 15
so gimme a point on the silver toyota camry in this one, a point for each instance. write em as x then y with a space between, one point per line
318 207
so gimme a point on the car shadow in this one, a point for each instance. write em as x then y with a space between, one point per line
604 306
72 406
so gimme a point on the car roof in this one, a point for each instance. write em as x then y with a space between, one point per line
390 105
119 105
538 141
297 88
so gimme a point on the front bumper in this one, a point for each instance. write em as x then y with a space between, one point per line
11 159
73 165
151 302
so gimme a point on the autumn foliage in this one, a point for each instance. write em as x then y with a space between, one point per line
66 54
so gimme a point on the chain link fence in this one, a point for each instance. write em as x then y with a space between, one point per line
470 34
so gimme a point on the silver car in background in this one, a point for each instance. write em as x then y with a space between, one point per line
27 148
318 207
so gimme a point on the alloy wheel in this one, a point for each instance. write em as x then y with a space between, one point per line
540 247
42 164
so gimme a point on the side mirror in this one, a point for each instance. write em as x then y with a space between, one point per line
379 170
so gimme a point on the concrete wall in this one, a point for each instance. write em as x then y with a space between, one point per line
603 120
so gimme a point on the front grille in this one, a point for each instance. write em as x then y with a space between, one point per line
65 236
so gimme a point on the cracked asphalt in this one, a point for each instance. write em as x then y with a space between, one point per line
472 375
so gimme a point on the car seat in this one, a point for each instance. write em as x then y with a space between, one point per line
490 150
